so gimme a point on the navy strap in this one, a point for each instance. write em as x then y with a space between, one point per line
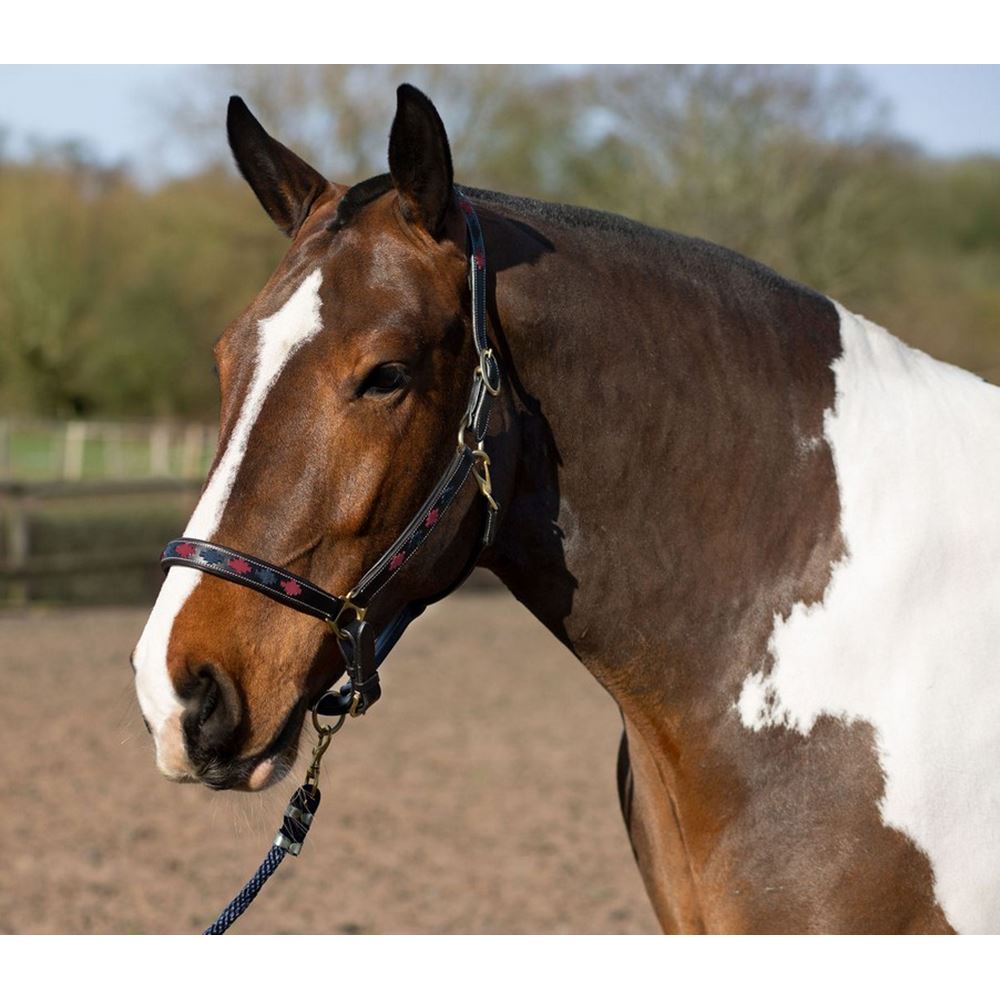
286 588
417 531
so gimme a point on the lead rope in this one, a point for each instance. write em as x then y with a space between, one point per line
295 825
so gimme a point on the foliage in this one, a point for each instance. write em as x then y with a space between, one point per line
111 294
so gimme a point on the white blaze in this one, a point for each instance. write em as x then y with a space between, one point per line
278 337
907 636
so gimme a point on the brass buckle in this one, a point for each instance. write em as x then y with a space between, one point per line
462 428
348 605
483 478
355 702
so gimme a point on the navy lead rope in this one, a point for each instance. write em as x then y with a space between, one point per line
299 814
248 893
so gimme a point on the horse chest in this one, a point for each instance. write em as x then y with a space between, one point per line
907 635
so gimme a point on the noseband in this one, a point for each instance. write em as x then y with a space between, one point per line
363 647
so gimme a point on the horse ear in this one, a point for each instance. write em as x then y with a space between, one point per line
420 159
284 183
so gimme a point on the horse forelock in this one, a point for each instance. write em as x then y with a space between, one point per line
356 198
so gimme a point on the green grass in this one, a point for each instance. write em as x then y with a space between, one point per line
35 453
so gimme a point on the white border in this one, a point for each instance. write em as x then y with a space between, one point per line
392 31
501 968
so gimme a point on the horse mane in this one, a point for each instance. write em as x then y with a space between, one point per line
570 216
618 231
631 238
356 197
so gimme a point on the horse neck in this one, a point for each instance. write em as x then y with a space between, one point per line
672 489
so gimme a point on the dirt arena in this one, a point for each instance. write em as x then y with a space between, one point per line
488 803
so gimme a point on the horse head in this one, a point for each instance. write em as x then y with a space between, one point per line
342 386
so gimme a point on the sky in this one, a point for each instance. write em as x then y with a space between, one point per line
947 110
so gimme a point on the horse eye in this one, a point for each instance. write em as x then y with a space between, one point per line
384 379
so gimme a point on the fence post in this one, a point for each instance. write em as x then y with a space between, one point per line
159 450
76 440
113 453
191 455
18 544
56 452
5 470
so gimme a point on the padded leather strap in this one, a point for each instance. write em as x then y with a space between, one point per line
286 588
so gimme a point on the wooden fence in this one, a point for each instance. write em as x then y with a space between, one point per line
58 535
75 450
84 506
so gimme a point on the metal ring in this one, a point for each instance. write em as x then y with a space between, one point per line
326 730
484 358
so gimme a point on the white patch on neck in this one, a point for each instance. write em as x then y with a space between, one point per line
907 636
278 338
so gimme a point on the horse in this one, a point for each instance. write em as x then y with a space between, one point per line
763 524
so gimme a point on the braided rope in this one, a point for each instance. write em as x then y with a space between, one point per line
295 825
248 893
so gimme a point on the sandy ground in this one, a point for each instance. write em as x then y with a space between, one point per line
488 805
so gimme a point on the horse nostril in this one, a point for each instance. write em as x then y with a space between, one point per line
213 713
